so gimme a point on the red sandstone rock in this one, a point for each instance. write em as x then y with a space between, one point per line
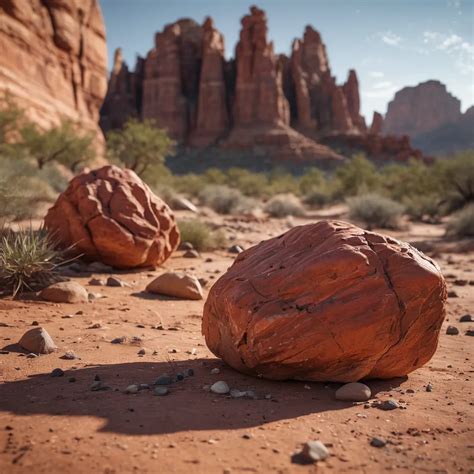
327 302
212 114
53 59
377 124
351 92
421 109
110 215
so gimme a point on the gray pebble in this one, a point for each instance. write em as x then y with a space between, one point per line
161 391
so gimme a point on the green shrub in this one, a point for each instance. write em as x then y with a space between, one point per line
423 207
375 211
200 235
283 205
357 175
225 200
29 260
462 223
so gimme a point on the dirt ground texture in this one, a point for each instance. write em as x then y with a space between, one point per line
59 425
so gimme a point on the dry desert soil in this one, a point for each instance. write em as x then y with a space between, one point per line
57 424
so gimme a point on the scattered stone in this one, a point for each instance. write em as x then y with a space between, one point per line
57 373
179 376
460 282
234 393
164 379
97 282
247 436
452 331
388 405
35 323
142 352
98 386
466 318
469 332
72 379
179 203
186 246
236 249
220 387
38 341
313 451
452 294
215 371
209 260
191 254
31 356
65 292
116 282
353 392
161 391
2 352
203 282
378 442
179 285
119 340
95 296
132 389
69 355
429 387
410 390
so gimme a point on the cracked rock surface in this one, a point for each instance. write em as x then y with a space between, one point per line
110 215
327 302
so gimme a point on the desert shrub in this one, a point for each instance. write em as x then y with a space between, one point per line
225 200
248 183
311 182
357 175
140 146
462 223
200 235
456 180
422 207
375 210
283 205
29 260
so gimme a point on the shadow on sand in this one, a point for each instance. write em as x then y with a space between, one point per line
187 407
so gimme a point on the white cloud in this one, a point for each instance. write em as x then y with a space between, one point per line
390 38
376 74
454 46
381 90
382 85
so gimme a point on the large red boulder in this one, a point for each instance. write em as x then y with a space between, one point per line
327 302
111 215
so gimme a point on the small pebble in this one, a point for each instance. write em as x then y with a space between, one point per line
220 387
429 387
388 405
132 389
57 373
142 352
69 355
313 451
215 371
164 379
452 331
118 340
467 318
161 391
378 442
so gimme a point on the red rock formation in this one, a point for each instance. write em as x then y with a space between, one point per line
327 302
212 114
259 97
377 124
421 109
53 59
124 94
170 86
110 215
351 92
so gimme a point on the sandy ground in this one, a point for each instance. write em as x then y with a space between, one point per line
59 425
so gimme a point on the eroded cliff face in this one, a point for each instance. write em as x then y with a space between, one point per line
53 59
421 109
260 102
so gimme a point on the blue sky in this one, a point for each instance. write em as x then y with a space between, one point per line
390 43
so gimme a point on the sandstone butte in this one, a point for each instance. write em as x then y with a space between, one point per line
262 102
327 302
53 60
110 215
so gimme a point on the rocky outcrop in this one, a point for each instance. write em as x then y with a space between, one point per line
377 124
327 302
110 215
54 59
260 103
421 109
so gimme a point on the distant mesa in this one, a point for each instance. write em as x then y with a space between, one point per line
53 60
262 102
431 117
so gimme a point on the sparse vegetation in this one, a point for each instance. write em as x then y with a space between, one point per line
462 223
29 260
201 236
283 205
225 200
375 210
142 147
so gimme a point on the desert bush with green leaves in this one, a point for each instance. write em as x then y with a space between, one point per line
461 224
374 210
201 235
284 205
226 200
29 260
